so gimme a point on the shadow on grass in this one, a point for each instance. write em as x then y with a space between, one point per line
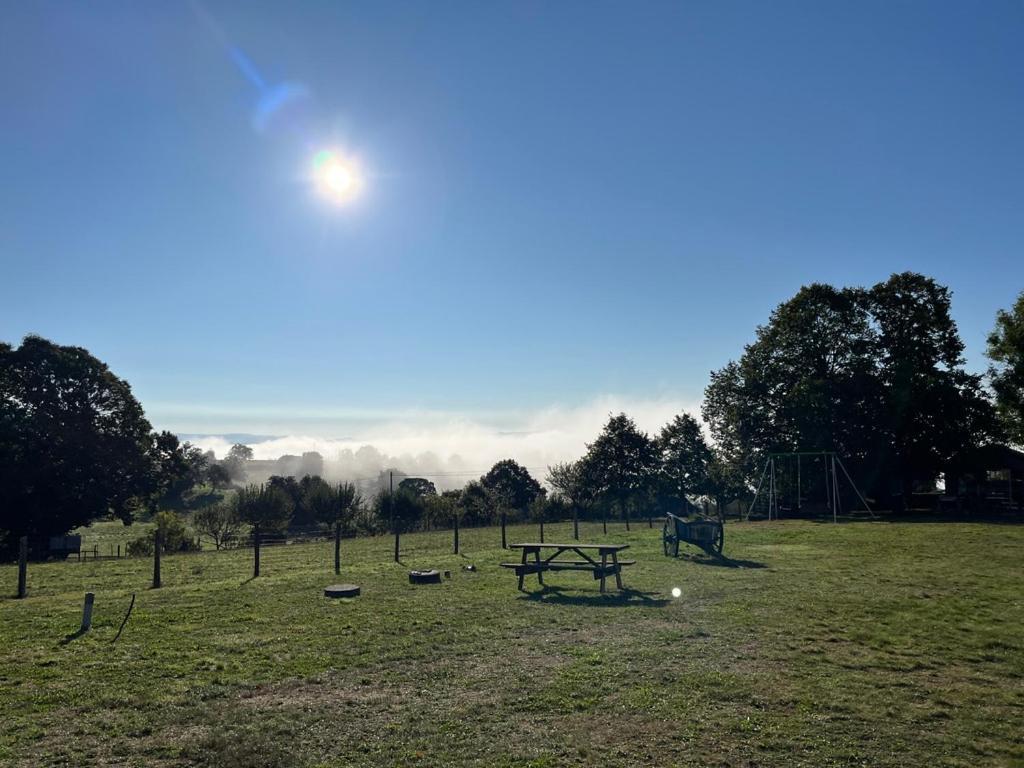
73 636
721 561
627 597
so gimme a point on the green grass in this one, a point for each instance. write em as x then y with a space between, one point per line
860 644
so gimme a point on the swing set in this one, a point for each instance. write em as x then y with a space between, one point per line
798 481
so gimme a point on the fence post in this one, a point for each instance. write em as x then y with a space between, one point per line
256 552
87 612
456 534
22 567
503 520
575 523
157 546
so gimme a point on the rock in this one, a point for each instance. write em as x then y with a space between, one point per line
341 590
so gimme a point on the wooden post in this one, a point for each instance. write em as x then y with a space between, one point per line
22 567
456 534
575 523
604 521
158 541
256 552
87 613
398 550
503 542
542 530
118 551
337 548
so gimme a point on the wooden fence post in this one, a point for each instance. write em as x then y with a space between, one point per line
503 520
256 552
456 534
22 567
87 613
157 546
337 548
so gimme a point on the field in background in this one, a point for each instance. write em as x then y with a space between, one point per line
860 644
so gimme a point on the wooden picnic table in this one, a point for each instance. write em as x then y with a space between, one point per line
609 564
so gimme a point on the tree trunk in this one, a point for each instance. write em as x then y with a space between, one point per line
337 548
542 530
503 521
624 510
575 523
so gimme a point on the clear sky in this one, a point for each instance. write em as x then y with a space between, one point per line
562 201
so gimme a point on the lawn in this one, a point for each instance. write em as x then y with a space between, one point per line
858 644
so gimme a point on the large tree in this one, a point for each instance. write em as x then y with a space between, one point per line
621 463
74 442
933 409
875 375
684 459
511 485
1006 374
805 383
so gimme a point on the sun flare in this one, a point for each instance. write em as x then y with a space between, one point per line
337 177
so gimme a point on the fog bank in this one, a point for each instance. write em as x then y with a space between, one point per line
456 449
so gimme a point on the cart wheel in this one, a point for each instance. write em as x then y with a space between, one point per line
668 538
719 541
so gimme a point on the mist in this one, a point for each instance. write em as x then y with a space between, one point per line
451 450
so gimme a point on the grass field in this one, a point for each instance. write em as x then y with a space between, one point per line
860 644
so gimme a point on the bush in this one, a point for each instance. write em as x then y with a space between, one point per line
176 537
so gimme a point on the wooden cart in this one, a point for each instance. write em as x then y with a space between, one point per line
702 532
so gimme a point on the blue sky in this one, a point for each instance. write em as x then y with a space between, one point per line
564 202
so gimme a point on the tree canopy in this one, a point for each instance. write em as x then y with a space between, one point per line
876 375
74 442
511 485
1006 374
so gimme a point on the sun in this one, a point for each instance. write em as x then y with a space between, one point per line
337 178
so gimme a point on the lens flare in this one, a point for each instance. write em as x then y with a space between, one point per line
336 177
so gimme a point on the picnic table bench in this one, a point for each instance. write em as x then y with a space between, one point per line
609 564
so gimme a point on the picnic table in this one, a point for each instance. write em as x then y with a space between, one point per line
585 560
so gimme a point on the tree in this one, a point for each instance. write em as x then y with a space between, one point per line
173 472
933 410
620 463
476 504
684 459
74 442
1006 374
806 383
875 375
266 508
511 485
217 476
334 508
238 456
418 486
444 509
219 521
402 509
571 483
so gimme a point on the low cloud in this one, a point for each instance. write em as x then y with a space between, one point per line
453 449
